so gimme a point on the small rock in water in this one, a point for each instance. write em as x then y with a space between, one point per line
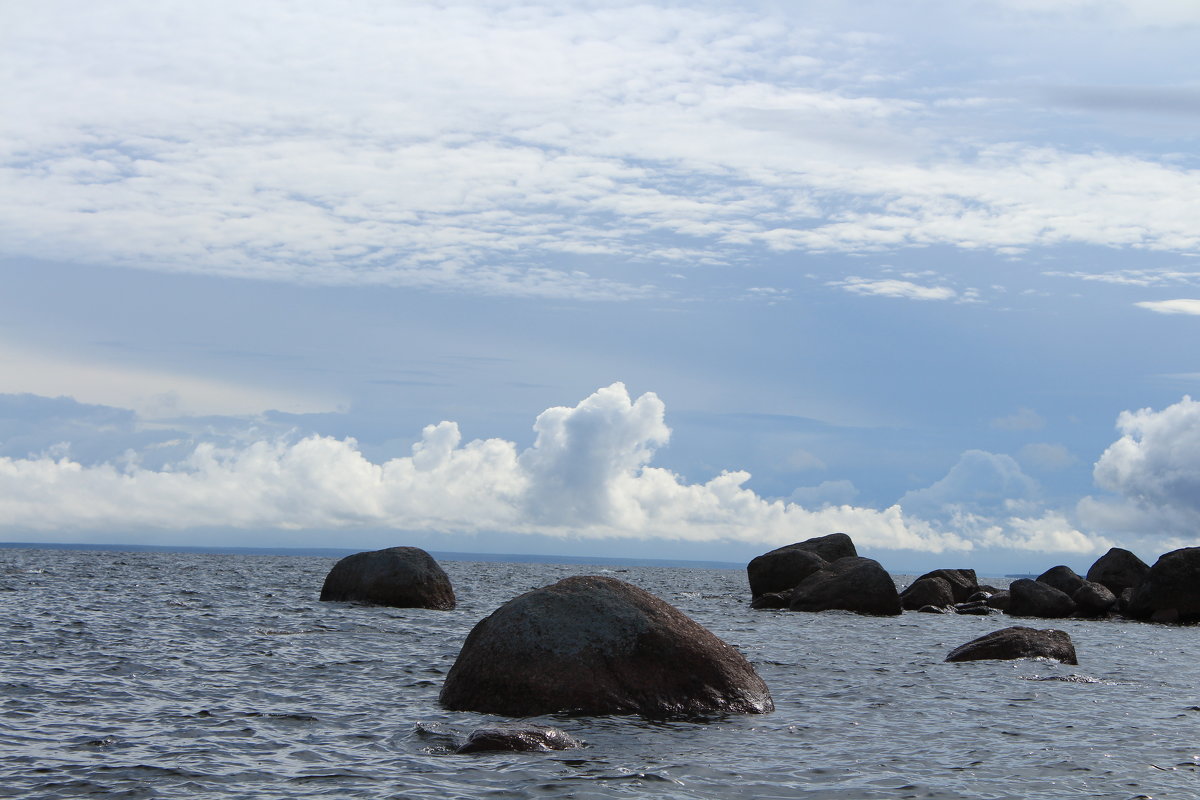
1017 642
518 740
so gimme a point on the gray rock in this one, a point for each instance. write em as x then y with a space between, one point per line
514 739
935 610
401 577
933 591
1170 592
850 584
595 645
1062 578
1017 642
772 600
1093 599
1118 570
1029 598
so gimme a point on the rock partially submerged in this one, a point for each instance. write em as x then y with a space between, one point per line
595 645
927 591
518 739
1170 592
962 582
1017 642
1028 598
782 569
850 584
401 577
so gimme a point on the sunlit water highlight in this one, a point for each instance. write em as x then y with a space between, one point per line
160 675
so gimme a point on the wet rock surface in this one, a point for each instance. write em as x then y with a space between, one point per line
518 739
401 577
597 645
849 584
1017 642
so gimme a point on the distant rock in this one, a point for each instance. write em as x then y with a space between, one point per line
1029 598
934 591
935 610
772 600
1093 599
1118 570
1170 592
401 577
516 739
978 608
1017 642
595 645
851 584
1062 578
963 582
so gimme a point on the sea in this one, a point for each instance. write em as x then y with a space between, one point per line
206 675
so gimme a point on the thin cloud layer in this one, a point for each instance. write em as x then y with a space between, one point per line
493 150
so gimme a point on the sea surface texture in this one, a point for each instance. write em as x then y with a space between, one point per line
159 675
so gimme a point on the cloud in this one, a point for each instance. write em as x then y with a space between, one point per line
895 288
484 148
1135 277
1025 419
1156 462
980 483
152 393
1182 306
1047 456
586 475
827 493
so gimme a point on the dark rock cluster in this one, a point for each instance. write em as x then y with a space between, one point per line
822 574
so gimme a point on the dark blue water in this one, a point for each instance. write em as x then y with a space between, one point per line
159 675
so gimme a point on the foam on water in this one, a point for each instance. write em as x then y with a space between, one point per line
159 675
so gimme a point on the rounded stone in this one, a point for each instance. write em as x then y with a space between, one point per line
596 645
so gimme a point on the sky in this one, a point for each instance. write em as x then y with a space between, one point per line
668 280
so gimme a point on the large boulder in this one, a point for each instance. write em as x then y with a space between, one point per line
1118 570
594 645
927 592
402 577
1029 598
851 584
1062 578
963 582
1017 642
1170 592
1093 599
783 568
780 570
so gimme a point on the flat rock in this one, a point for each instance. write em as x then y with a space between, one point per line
518 739
1017 642
597 645
401 577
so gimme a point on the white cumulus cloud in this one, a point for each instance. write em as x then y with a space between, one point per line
586 475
